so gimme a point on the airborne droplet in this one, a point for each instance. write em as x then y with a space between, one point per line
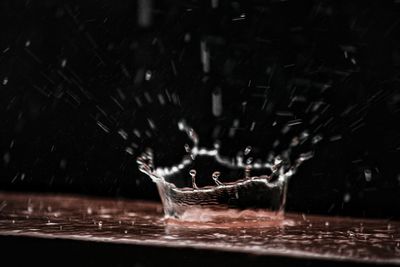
187 148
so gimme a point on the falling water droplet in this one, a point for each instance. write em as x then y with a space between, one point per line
368 175
148 75
144 13
205 56
316 139
347 197
123 134
217 102
187 37
247 150
187 148
63 164
249 161
129 150
6 158
63 63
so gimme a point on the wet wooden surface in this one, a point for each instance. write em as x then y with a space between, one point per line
141 223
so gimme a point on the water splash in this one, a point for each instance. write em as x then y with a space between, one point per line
267 191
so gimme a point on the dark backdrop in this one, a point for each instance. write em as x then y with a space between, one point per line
85 86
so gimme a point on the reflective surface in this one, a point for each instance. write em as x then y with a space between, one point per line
134 222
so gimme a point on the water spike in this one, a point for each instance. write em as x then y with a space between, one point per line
215 177
192 173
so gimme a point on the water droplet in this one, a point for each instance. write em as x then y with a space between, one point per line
276 143
63 63
295 141
192 134
316 139
123 134
187 148
217 145
187 37
368 175
249 161
103 127
216 175
217 102
63 164
181 125
277 160
5 80
6 158
205 56
214 3
137 133
253 125
129 150
148 75
346 197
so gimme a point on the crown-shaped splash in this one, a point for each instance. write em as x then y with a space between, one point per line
265 191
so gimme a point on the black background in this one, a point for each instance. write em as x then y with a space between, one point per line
67 67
